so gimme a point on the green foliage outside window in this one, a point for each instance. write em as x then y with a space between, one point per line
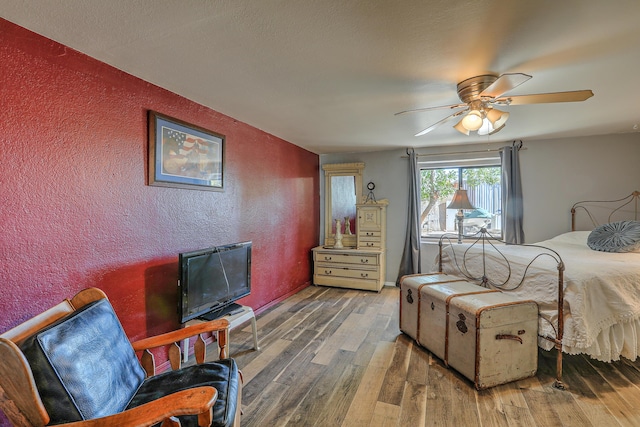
436 185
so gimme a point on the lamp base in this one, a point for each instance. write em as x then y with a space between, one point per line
460 221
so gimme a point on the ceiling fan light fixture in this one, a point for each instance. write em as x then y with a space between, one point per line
497 117
488 129
496 130
473 120
460 128
479 94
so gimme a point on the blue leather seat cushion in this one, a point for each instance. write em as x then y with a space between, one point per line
222 374
84 365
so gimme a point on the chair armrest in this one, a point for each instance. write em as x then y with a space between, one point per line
180 334
195 401
171 339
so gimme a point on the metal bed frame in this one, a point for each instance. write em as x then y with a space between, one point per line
484 238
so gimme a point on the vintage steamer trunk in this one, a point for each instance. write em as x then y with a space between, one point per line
434 310
410 287
493 338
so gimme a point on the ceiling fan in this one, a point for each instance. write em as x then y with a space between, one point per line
481 94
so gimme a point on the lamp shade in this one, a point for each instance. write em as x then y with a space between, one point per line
473 120
460 128
460 201
497 118
488 129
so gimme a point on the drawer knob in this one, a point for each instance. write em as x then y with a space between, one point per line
364 275
327 272
327 258
364 260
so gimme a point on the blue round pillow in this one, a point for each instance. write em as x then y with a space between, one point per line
620 236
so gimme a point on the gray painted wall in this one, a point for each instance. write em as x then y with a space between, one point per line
556 173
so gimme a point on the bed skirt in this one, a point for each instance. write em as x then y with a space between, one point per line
616 341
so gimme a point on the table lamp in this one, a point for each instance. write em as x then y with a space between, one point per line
460 201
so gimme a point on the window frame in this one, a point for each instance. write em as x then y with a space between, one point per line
460 166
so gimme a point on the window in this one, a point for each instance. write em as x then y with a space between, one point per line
484 189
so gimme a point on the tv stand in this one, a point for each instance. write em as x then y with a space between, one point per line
236 314
230 309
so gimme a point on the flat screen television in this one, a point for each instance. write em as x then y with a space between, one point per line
211 280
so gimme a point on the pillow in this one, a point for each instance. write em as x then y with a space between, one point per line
620 236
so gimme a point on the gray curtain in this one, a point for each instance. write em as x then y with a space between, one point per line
512 211
410 262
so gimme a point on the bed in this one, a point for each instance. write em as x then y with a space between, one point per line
589 300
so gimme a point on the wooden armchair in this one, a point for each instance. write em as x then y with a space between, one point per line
74 365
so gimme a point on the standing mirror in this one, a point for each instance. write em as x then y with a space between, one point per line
343 189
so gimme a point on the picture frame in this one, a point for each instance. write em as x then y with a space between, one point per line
183 155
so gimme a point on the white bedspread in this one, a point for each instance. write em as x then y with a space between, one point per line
602 291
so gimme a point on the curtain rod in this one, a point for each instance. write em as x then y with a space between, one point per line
490 150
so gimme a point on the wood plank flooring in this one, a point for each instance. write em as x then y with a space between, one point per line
335 357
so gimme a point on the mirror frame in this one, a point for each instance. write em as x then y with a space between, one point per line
340 169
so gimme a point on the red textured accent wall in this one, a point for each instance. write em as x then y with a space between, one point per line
76 210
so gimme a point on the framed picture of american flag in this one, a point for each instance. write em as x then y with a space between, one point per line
183 155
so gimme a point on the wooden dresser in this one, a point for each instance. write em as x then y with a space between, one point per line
362 267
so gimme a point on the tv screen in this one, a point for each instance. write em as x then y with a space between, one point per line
212 279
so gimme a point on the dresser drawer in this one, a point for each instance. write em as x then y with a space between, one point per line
349 268
348 282
342 258
370 234
370 245
354 273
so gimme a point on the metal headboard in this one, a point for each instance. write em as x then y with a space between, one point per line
616 206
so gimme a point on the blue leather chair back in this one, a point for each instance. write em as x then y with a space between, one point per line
84 365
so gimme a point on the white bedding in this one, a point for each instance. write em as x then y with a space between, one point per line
602 291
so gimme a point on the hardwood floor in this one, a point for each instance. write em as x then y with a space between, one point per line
335 357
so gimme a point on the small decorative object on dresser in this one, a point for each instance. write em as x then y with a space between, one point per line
347 226
338 244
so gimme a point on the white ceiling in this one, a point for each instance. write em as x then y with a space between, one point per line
328 75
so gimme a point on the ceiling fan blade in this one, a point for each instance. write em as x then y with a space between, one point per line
505 83
417 110
446 119
547 98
